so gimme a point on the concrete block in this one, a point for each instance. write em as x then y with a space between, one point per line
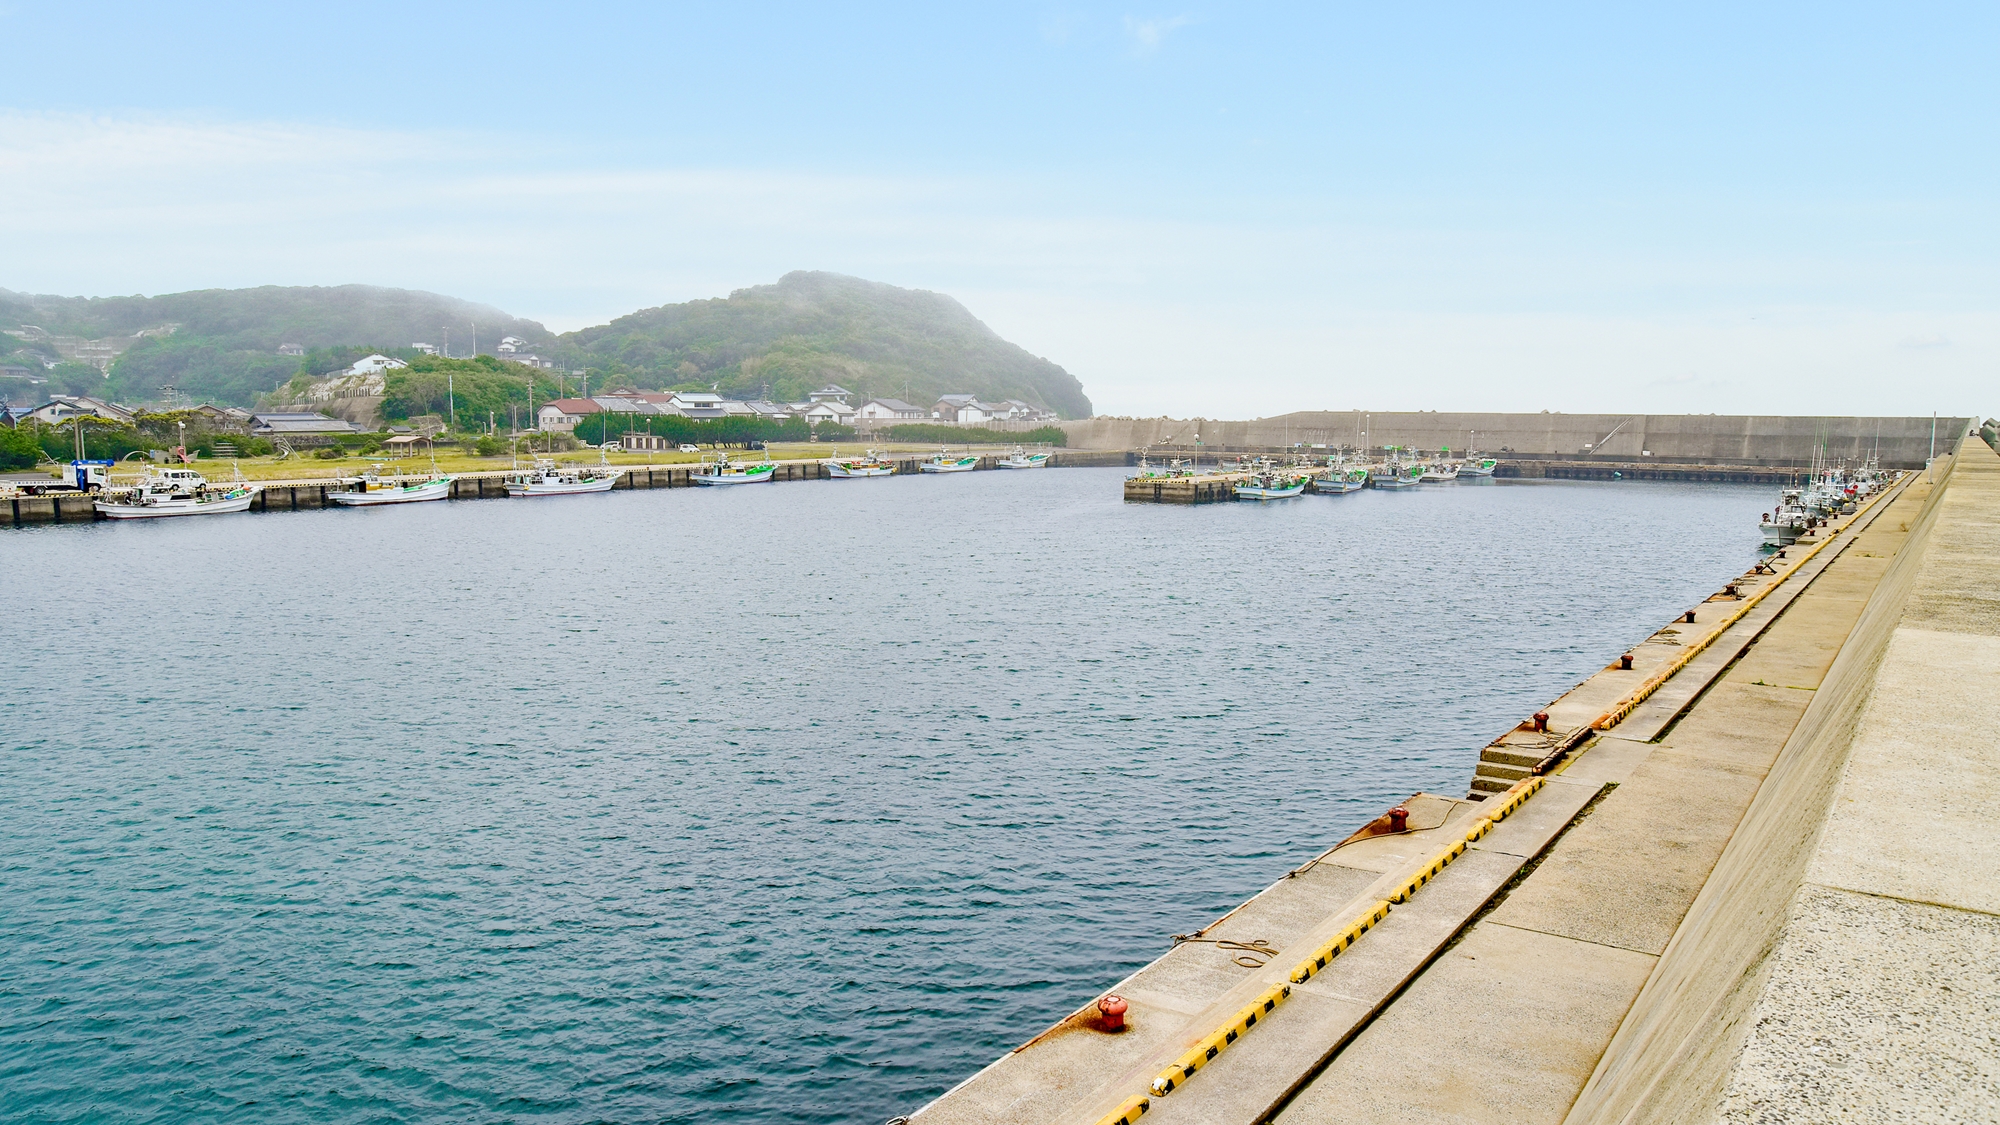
1625 875
1504 1027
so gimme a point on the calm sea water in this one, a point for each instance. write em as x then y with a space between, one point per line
786 804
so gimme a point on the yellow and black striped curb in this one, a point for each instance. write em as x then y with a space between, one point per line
1127 1112
1217 1041
1240 1024
1340 943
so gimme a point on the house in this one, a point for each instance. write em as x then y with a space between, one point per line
963 410
61 408
374 365
888 410
562 414
511 344
698 404
427 349
291 349
1014 410
529 359
838 413
831 393
307 424
223 416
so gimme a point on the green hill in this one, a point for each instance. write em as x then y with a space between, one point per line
779 341
224 342
813 328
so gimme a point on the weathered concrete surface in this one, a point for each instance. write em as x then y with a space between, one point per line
1570 947
1882 998
1074 1073
1831 968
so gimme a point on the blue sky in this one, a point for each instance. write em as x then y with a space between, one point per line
1221 210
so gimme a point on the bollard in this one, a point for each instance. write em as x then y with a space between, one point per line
1399 819
1625 663
1113 1007
1688 617
1731 590
1542 721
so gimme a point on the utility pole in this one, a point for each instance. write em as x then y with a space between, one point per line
450 401
1930 474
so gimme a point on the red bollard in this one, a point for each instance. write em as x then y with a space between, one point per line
1113 1008
1689 618
1625 662
1399 819
1542 721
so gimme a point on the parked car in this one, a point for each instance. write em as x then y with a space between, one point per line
685 448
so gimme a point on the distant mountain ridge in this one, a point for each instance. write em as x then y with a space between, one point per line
779 341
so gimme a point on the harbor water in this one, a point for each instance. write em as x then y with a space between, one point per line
796 803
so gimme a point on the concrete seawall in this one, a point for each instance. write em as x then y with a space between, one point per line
1758 886
1746 440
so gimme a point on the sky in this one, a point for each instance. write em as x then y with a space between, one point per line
1226 211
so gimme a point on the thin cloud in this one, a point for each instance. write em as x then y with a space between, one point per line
1147 34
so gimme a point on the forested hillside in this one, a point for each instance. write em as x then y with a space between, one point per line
224 343
813 328
778 341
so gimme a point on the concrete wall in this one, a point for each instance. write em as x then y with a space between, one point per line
1672 1054
1732 439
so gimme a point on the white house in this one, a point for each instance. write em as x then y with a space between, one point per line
291 349
511 344
888 410
832 392
964 410
374 365
839 413
427 349
698 404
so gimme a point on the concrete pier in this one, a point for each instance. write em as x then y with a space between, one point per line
298 495
1749 878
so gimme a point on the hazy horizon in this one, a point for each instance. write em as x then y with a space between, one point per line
1223 212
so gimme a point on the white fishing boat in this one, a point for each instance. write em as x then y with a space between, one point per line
1271 486
944 462
179 492
724 471
873 465
1434 472
1478 467
376 487
1022 459
550 479
1394 474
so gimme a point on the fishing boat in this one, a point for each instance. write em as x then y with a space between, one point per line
724 471
1338 481
1393 473
550 479
1433 472
873 465
944 462
1022 459
1477 467
1271 486
374 487
179 492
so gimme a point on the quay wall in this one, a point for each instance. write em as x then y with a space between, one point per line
1672 1054
292 496
1750 440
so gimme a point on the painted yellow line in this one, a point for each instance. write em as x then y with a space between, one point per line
1654 682
1219 1040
